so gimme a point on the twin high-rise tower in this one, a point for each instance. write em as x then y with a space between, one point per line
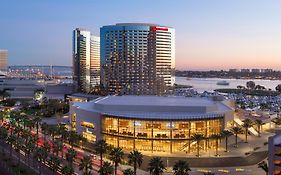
135 59
86 60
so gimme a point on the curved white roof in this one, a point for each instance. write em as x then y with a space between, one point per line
155 107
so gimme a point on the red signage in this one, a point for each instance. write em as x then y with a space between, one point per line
159 28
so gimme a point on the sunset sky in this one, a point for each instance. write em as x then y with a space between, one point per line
210 34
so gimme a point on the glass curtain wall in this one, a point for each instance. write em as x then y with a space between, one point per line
162 136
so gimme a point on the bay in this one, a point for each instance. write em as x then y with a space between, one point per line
210 84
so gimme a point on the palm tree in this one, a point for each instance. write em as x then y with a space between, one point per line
41 155
3 137
18 147
62 130
72 138
44 128
58 146
259 124
226 134
67 170
156 166
2 116
70 156
5 95
116 155
197 138
247 123
101 147
181 168
216 137
135 158
46 146
29 148
106 169
52 130
82 140
236 130
55 163
86 165
11 141
37 120
128 171
263 165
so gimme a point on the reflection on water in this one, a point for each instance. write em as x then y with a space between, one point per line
210 84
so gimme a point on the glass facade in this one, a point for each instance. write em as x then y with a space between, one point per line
137 59
86 60
159 136
3 60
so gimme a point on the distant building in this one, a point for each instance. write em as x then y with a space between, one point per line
3 60
233 70
274 154
25 88
95 62
86 60
245 70
266 70
255 70
137 58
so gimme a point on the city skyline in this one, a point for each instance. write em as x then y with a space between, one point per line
246 34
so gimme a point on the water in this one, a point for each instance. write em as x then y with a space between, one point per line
210 84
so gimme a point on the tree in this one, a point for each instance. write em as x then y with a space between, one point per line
52 131
37 120
128 171
278 88
5 95
250 85
44 128
106 169
236 130
46 146
181 168
263 165
11 141
67 170
57 147
72 138
259 124
116 155
54 163
70 156
86 165
3 137
156 166
216 137
197 138
29 148
101 147
247 123
41 155
135 159
277 120
226 134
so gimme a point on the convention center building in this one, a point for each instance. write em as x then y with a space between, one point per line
152 123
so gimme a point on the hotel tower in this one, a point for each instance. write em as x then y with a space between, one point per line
137 58
86 60
3 60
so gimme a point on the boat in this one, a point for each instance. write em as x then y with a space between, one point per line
223 83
